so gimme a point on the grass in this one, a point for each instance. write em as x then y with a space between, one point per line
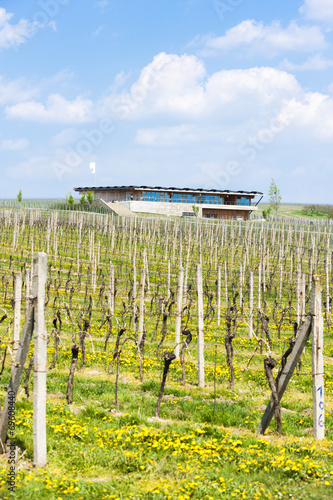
93 452
293 210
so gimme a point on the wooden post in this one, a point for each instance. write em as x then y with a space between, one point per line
226 282
40 360
146 270
327 284
200 329
287 372
298 286
241 288
27 288
218 296
142 298
17 315
251 307
78 256
281 275
302 298
317 362
15 378
169 279
259 286
111 288
179 311
134 297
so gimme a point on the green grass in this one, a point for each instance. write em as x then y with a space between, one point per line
293 210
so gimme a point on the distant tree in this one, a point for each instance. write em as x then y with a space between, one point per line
19 196
90 197
70 200
266 213
313 209
83 199
330 212
274 196
195 210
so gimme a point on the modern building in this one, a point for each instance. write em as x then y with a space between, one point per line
210 203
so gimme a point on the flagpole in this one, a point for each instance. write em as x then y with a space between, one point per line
92 167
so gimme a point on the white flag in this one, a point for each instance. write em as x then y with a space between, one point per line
92 167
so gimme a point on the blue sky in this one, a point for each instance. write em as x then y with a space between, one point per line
200 93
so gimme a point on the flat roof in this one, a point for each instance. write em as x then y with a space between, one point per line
172 189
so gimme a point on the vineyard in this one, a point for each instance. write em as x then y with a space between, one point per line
158 334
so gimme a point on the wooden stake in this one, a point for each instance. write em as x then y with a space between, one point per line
17 315
15 378
40 360
200 329
179 311
142 298
317 362
218 295
111 288
286 374
251 307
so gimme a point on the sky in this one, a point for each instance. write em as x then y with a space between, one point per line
222 94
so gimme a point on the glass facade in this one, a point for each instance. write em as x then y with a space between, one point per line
205 199
243 201
152 196
182 198
210 199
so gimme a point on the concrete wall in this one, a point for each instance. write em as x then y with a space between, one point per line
177 209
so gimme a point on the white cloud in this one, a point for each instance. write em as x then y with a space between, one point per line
179 86
187 134
313 63
66 136
98 31
318 10
16 90
52 25
313 113
13 34
169 84
56 110
13 144
102 4
36 167
255 85
223 108
255 37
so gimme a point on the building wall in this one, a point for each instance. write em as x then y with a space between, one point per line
177 209
115 195
227 213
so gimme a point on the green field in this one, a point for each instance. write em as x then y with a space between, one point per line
294 210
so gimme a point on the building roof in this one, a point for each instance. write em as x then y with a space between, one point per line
172 189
